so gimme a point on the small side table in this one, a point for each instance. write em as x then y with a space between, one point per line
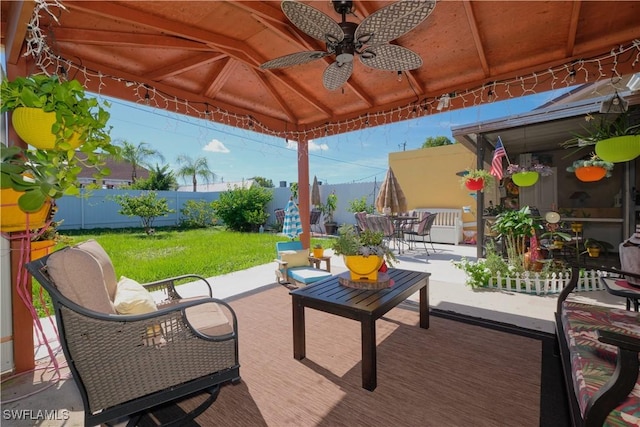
620 287
316 262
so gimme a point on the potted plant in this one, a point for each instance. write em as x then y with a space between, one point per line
594 247
44 240
615 141
328 209
318 250
363 253
591 169
526 176
477 179
515 227
48 171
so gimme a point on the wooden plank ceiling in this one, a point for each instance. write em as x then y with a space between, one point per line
202 57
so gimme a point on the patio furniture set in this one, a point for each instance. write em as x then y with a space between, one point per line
599 348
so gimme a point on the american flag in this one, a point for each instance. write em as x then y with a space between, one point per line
496 162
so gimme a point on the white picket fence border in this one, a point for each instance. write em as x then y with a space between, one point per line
531 283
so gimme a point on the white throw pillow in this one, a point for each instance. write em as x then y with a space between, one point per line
299 258
132 298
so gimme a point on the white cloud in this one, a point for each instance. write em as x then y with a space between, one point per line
293 145
216 146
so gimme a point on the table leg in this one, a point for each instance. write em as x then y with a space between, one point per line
298 330
424 306
369 370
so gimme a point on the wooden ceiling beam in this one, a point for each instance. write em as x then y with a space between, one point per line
223 76
20 13
473 26
122 39
573 27
185 65
281 102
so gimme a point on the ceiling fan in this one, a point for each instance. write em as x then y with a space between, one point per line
369 40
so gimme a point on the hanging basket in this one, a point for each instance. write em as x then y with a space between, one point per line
525 179
474 184
590 173
619 149
363 267
34 127
15 219
41 248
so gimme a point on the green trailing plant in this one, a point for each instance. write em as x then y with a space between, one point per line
487 178
52 173
367 243
593 160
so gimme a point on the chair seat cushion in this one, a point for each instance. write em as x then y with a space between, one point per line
307 275
132 298
208 318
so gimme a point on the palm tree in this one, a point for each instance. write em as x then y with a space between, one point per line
138 155
194 168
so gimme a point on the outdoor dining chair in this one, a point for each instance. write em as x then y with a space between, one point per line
424 230
130 346
315 217
361 221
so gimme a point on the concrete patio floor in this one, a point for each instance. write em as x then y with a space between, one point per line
23 396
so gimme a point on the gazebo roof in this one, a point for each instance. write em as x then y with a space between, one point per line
202 58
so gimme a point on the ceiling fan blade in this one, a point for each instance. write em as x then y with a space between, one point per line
392 21
293 59
313 22
336 75
390 57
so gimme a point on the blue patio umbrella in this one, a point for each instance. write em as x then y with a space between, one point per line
291 227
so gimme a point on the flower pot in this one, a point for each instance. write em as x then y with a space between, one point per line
593 252
318 252
363 267
15 219
525 179
590 173
474 184
41 248
34 127
619 149
576 227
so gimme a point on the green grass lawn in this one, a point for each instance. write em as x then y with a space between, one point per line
172 251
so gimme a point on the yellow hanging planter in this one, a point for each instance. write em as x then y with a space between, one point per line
619 149
363 267
33 125
15 219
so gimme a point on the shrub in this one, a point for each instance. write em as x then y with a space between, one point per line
360 205
147 206
197 214
243 209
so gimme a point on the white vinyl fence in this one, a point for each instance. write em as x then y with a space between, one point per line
533 283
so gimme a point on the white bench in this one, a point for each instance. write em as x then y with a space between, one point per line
447 227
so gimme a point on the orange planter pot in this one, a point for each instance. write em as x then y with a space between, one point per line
15 219
590 173
41 248
34 127
363 267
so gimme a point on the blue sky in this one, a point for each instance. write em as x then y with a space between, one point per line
235 154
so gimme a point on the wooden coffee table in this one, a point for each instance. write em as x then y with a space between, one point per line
362 305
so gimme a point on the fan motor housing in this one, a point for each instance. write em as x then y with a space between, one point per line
346 48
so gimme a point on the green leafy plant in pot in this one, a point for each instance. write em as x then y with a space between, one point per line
591 169
477 180
51 170
363 253
328 209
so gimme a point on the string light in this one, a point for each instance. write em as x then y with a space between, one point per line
565 74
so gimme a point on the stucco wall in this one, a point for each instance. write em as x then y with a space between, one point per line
428 177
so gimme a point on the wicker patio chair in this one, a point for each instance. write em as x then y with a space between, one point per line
164 349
